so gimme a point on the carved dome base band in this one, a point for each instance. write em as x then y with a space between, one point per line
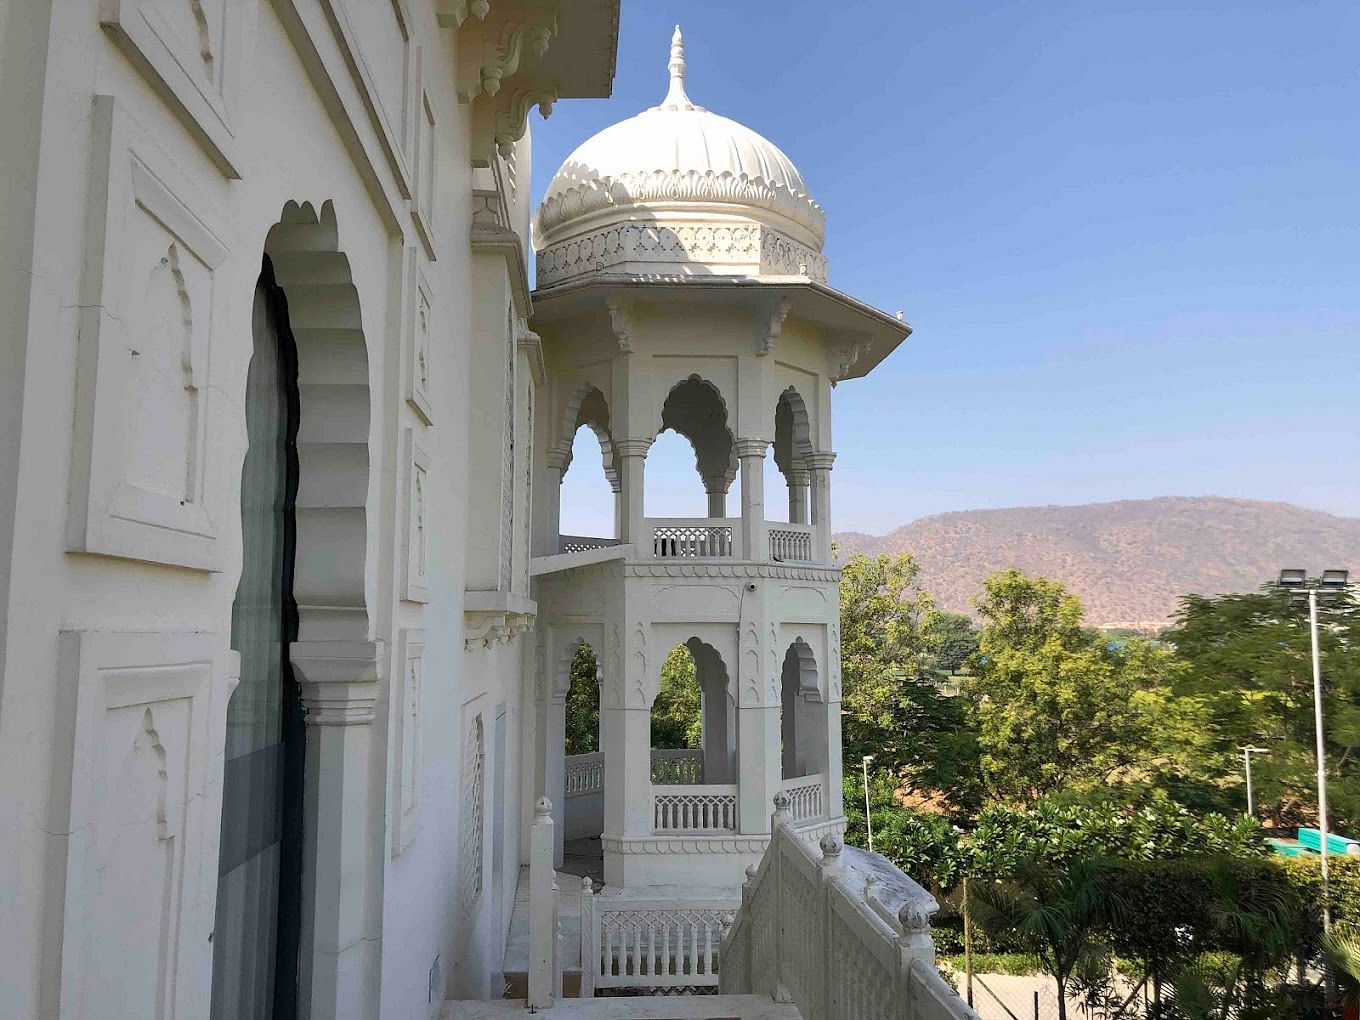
746 248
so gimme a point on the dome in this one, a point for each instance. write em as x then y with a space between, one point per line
675 174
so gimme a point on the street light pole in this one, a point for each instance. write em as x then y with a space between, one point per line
1247 752
1332 582
868 818
1321 759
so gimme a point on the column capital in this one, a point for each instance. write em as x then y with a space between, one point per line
717 485
821 460
751 447
556 460
339 680
799 476
633 447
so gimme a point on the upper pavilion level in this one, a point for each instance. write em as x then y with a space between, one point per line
682 285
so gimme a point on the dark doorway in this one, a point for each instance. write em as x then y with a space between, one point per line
259 884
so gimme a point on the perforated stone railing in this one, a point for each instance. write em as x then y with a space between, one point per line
684 766
694 808
840 934
631 941
791 543
700 538
583 543
584 774
806 797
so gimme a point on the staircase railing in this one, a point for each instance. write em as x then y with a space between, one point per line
824 936
545 928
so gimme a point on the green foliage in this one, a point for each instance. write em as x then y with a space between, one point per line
892 706
1018 964
677 716
1057 707
953 640
1247 659
583 704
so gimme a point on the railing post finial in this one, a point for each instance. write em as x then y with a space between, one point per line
781 805
543 807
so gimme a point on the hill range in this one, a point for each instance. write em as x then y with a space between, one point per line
1128 561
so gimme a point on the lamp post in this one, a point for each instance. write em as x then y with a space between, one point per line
1247 752
868 818
1330 584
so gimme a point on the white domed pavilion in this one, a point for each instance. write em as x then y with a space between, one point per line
682 286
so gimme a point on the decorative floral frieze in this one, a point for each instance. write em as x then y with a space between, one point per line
486 629
760 248
593 194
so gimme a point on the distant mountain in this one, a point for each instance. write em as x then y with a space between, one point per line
1128 561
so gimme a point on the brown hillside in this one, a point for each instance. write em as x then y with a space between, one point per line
1127 561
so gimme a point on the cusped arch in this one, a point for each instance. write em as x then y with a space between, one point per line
800 663
330 563
561 685
708 661
696 409
588 406
792 431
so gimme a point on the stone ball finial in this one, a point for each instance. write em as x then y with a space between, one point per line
751 870
913 917
781 801
543 807
587 886
831 845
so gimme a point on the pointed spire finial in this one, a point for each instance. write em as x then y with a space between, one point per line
675 96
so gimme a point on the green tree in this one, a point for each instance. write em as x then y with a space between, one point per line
953 639
583 704
1057 707
893 709
677 718
1248 658
1058 914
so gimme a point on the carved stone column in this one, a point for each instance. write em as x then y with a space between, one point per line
626 729
798 495
717 496
549 542
820 463
339 687
633 458
751 453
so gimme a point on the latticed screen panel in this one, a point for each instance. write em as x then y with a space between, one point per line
691 542
801 965
694 812
860 985
472 837
805 799
790 545
659 948
584 777
678 768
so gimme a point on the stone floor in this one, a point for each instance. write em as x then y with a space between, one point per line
583 858
643 1007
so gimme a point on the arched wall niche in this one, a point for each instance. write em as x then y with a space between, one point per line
329 582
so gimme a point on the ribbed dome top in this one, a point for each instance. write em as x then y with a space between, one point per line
677 153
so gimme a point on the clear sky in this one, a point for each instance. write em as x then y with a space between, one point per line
1127 235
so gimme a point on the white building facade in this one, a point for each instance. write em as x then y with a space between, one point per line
263 544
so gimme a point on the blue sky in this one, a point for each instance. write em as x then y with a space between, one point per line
1127 235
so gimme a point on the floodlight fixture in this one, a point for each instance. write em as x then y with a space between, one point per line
1334 579
1293 578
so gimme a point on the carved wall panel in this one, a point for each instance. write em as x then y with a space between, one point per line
191 53
138 866
426 160
695 602
139 464
803 603
406 708
416 539
417 356
388 59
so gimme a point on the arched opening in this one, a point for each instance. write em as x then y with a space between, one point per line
582 793
304 493
694 411
693 719
260 880
802 715
792 446
589 496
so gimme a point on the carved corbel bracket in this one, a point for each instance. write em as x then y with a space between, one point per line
620 322
452 13
495 617
491 50
512 115
843 357
771 326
